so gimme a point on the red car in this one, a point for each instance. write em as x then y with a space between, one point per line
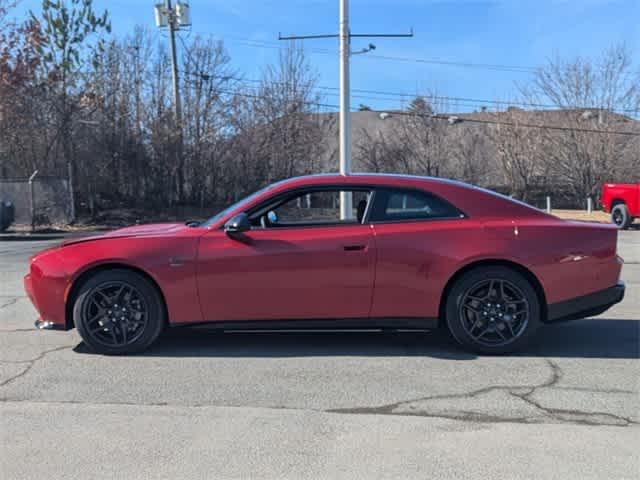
623 201
412 253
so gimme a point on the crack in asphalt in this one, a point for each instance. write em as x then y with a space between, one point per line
597 390
571 416
31 363
525 393
522 392
13 301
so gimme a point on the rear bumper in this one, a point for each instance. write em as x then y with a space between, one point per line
587 305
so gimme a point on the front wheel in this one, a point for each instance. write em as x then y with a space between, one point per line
118 311
621 217
492 310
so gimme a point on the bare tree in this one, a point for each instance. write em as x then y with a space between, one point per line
66 29
416 142
608 83
376 152
471 151
596 94
425 138
521 152
19 61
210 84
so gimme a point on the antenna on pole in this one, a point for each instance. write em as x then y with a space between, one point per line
344 35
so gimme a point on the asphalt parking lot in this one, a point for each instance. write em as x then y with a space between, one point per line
202 404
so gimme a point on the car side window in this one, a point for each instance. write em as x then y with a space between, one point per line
311 208
397 205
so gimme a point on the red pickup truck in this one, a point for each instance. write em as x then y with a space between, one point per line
622 200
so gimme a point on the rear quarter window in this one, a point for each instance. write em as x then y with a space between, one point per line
404 205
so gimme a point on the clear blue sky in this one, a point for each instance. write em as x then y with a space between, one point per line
506 32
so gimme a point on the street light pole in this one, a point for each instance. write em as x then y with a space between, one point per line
346 199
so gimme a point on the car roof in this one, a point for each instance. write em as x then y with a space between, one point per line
375 179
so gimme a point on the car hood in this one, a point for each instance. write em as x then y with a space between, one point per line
134 231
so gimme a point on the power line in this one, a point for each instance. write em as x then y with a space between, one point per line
430 61
465 101
457 119
334 93
305 102
433 61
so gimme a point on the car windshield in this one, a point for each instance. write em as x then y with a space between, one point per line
238 204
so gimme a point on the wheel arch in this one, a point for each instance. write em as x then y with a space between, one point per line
93 270
524 271
617 201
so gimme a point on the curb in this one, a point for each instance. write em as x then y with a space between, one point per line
25 237
19 237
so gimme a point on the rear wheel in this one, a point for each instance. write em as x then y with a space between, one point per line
621 217
492 310
118 311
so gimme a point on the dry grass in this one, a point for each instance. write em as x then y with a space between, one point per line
583 215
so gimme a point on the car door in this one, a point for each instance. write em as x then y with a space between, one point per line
307 264
416 233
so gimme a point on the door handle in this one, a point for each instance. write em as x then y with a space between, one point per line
353 248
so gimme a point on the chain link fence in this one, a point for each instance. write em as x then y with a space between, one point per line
43 201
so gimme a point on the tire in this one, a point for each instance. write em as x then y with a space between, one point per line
483 320
118 311
620 216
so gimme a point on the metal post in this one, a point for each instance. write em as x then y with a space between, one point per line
32 201
548 204
72 199
346 200
589 205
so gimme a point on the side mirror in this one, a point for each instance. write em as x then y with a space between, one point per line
238 224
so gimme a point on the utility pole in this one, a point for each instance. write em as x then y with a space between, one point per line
344 35
173 19
172 27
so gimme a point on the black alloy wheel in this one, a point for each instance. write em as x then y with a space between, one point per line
118 311
492 310
115 314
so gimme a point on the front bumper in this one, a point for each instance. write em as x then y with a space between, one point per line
46 301
45 325
587 305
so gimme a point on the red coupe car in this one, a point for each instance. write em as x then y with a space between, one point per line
412 253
